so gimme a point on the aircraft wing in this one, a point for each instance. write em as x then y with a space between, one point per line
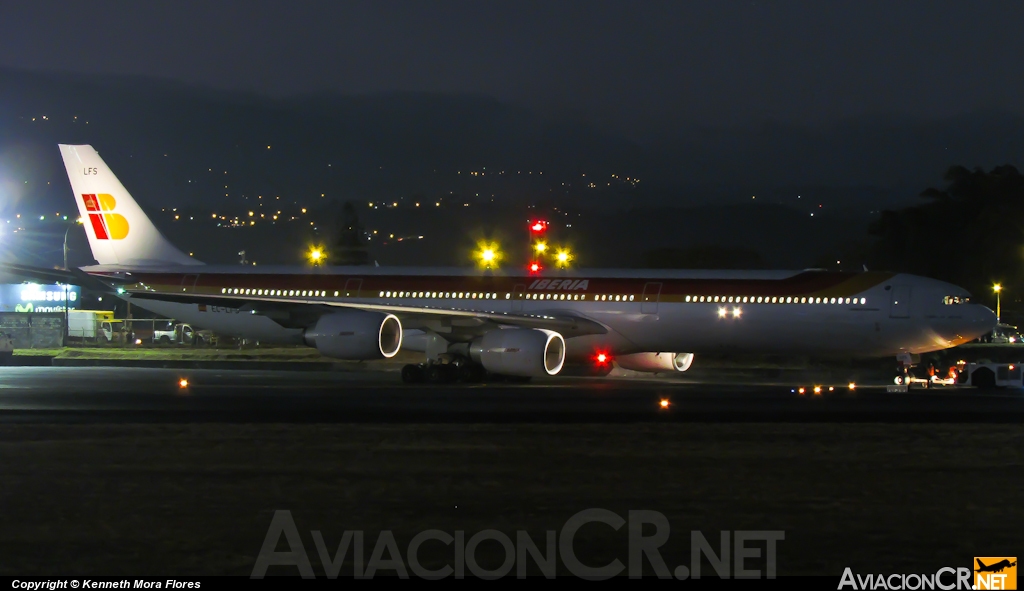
52 275
300 313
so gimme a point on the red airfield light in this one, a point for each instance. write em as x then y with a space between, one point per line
535 267
601 358
538 226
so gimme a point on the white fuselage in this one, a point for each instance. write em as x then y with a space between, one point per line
681 311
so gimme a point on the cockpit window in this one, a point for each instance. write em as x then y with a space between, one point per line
954 300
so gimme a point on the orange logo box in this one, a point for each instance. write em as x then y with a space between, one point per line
995 572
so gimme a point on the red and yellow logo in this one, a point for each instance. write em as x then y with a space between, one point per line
107 226
995 572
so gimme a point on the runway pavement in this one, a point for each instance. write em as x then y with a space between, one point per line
118 395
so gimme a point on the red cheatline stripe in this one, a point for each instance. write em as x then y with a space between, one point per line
98 226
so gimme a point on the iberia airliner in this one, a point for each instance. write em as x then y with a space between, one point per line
471 324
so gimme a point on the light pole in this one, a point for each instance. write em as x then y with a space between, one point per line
997 288
67 329
66 232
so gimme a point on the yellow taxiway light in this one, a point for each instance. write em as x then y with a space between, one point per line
540 247
817 389
488 254
316 255
664 403
853 386
563 257
183 383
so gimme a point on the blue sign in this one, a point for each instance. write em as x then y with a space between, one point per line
33 297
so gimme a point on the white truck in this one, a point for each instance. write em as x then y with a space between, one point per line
91 325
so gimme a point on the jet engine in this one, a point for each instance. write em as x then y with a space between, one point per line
520 352
655 362
355 335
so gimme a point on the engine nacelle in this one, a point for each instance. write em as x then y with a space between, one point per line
655 362
520 352
355 335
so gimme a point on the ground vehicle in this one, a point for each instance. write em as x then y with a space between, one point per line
992 375
163 332
91 325
156 331
186 335
1004 333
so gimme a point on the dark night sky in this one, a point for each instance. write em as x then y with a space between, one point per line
638 67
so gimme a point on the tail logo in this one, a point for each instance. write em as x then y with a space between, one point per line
107 226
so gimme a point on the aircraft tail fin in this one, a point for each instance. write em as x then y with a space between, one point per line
981 565
119 231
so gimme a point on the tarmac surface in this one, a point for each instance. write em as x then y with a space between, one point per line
123 472
148 395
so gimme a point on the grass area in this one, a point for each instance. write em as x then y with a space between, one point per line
297 354
198 499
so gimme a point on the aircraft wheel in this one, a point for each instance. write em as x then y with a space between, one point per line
471 373
412 374
436 374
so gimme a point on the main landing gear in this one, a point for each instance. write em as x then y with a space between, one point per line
458 370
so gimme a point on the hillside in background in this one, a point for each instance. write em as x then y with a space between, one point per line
199 161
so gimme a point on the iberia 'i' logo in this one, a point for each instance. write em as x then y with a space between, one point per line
107 226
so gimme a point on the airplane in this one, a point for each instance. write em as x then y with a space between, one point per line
516 324
994 568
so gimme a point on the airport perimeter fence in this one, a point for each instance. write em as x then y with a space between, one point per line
143 332
33 330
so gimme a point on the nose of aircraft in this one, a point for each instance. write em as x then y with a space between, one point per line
978 322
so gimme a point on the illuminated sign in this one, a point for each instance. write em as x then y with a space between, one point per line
32 297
